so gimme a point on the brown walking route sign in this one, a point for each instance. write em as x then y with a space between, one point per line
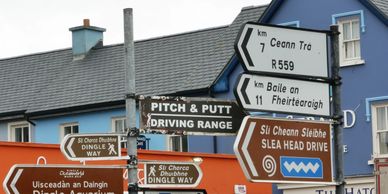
42 179
284 151
79 147
171 174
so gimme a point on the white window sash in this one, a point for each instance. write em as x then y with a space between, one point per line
64 125
376 133
352 56
171 144
22 124
113 123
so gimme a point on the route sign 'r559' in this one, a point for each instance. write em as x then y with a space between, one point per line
283 50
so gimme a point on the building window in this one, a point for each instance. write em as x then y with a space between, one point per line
19 132
177 143
350 24
380 130
118 125
69 128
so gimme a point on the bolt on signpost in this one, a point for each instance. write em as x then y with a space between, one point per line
287 71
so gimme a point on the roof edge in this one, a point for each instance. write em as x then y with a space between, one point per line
271 9
374 9
253 7
12 115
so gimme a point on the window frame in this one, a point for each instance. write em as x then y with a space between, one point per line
375 132
113 124
182 140
355 60
11 131
62 129
295 24
114 130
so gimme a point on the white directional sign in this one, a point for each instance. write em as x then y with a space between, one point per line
274 49
262 93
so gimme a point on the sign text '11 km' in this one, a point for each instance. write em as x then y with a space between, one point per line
283 50
263 93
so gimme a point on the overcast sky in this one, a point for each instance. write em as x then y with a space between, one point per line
31 26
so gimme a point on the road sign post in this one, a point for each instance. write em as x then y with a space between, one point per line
130 102
171 174
192 115
263 93
39 179
80 147
284 151
337 112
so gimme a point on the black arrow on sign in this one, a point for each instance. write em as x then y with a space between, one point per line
244 46
244 89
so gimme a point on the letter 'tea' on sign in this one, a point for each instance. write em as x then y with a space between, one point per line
283 50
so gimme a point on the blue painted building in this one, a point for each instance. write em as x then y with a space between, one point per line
363 48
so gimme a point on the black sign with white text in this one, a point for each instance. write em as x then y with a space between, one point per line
190 114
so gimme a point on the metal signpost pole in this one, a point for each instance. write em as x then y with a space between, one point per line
337 114
130 102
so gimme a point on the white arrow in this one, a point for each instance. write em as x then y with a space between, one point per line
69 149
244 148
14 181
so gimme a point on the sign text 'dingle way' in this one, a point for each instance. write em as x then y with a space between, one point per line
170 174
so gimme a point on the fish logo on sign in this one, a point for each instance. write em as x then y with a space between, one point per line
299 167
